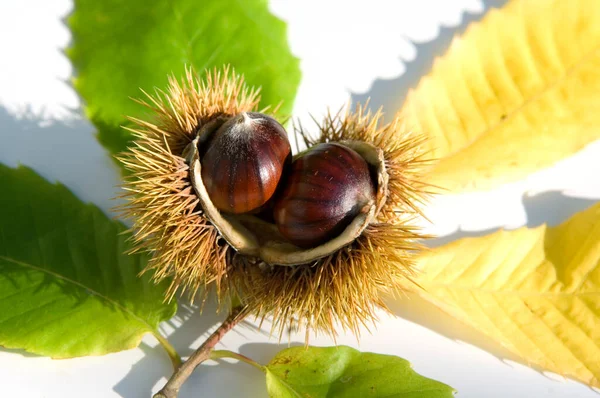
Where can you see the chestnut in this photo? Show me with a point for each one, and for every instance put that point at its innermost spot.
(327, 187)
(244, 161)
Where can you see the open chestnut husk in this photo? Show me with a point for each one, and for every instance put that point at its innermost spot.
(341, 281)
(252, 236)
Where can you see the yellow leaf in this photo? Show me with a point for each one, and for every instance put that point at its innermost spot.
(535, 291)
(514, 94)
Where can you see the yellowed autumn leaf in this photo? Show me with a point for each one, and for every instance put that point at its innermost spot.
(536, 291)
(517, 92)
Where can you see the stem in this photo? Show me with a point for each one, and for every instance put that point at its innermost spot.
(173, 355)
(218, 354)
(171, 389)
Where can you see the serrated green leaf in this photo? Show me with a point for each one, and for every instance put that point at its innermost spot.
(66, 288)
(342, 371)
(120, 47)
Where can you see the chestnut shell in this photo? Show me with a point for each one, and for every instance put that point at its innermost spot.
(244, 161)
(328, 186)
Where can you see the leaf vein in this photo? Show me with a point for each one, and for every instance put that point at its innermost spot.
(82, 286)
(30, 310)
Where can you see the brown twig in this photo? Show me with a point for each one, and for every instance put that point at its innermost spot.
(181, 374)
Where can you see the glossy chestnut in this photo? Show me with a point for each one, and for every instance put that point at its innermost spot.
(328, 186)
(244, 161)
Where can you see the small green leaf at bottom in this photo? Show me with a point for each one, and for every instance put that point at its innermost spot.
(343, 372)
(66, 287)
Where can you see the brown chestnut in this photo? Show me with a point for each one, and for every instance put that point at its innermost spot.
(327, 187)
(244, 161)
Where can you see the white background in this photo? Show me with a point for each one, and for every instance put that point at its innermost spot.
(348, 50)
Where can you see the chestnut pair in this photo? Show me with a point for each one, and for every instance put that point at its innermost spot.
(247, 167)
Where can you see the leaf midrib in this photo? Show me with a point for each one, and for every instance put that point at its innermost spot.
(81, 286)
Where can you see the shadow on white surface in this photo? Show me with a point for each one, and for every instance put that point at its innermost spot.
(60, 150)
(249, 382)
(145, 373)
(390, 93)
(550, 208)
(186, 331)
(183, 330)
(553, 208)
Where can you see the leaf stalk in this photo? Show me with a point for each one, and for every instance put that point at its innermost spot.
(219, 354)
(173, 355)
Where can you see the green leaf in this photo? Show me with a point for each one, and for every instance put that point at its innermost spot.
(342, 371)
(122, 46)
(66, 288)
